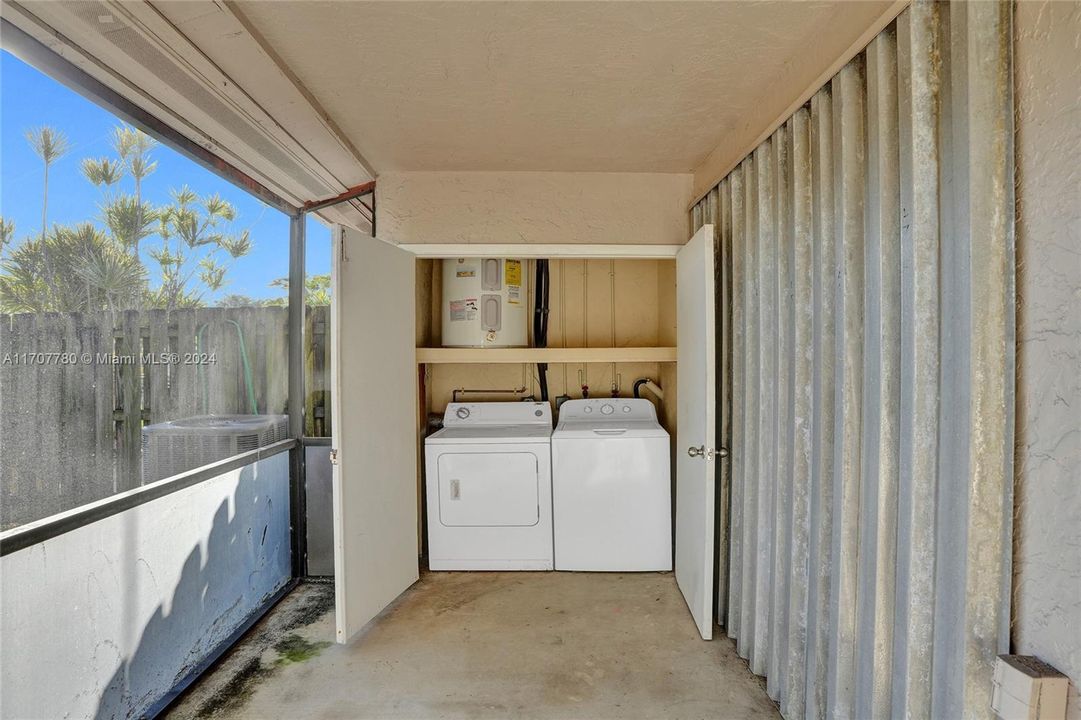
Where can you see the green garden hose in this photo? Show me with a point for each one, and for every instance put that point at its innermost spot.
(249, 385)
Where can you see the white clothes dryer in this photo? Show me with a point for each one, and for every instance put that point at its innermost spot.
(489, 487)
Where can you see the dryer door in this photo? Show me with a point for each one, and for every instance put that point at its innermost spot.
(489, 489)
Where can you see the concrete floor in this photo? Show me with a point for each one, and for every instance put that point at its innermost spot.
(488, 645)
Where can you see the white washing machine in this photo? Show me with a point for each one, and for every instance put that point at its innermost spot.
(611, 487)
(489, 487)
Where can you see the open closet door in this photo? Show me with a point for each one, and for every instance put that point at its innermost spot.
(373, 406)
(695, 427)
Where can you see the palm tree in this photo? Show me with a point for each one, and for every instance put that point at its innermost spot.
(192, 226)
(316, 290)
(111, 278)
(114, 276)
(50, 145)
(129, 221)
(103, 171)
(134, 146)
(7, 232)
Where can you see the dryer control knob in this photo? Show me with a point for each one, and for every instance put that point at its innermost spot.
(607, 409)
(462, 413)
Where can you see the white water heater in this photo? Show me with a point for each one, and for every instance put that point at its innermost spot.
(484, 303)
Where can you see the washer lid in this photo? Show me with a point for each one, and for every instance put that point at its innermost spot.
(579, 429)
(490, 434)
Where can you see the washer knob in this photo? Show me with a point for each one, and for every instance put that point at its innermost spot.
(587, 409)
(607, 409)
(462, 413)
(626, 408)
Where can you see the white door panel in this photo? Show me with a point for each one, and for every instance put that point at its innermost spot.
(695, 427)
(373, 402)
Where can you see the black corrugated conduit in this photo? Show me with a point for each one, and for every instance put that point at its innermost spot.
(540, 324)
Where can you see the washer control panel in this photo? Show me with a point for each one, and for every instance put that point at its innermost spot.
(611, 409)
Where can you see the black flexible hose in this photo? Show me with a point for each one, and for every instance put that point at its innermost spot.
(540, 324)
(639, 383)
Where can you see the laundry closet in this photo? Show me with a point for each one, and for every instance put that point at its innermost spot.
(420, 330)
(499, 489)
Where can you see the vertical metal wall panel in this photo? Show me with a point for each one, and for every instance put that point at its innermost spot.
(992, 402)
(871, 422)
(723, 284)
(734, 190)
(793, 699)
(782, 495)
(918, 115)
(750, 410)
(981, 346)
(881, 381)
(954, 311)
(849, 179)
(821, 527)
(767, 404)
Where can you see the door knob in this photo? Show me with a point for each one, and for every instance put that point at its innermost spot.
(707, 453)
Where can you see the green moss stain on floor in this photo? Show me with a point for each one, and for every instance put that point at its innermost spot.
(234, 694)
(293, 648)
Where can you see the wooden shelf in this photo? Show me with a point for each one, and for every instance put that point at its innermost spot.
(546, 355)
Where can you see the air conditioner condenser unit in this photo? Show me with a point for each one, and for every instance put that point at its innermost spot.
(176, 446)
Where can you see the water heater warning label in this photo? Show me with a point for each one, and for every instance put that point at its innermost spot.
(512, 272)
(463, 310)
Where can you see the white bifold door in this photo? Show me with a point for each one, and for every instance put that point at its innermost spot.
(374, 411)
(696, 454)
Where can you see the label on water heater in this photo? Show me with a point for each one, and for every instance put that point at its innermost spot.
(464, 310)
(512, 273)
(466, 269)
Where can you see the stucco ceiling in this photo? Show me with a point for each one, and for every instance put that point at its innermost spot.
(562, 86)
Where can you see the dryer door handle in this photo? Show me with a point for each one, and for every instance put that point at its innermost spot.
(455, 489)
(610, 432)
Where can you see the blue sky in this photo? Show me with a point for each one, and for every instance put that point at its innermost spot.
(29, 99)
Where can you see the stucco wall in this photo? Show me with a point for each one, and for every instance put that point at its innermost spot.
(104, 620)
(1047, 542)
(533, 207)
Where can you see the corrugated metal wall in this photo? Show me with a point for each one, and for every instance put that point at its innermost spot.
(868, 263)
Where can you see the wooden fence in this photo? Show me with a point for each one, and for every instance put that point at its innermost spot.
(76, 390)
